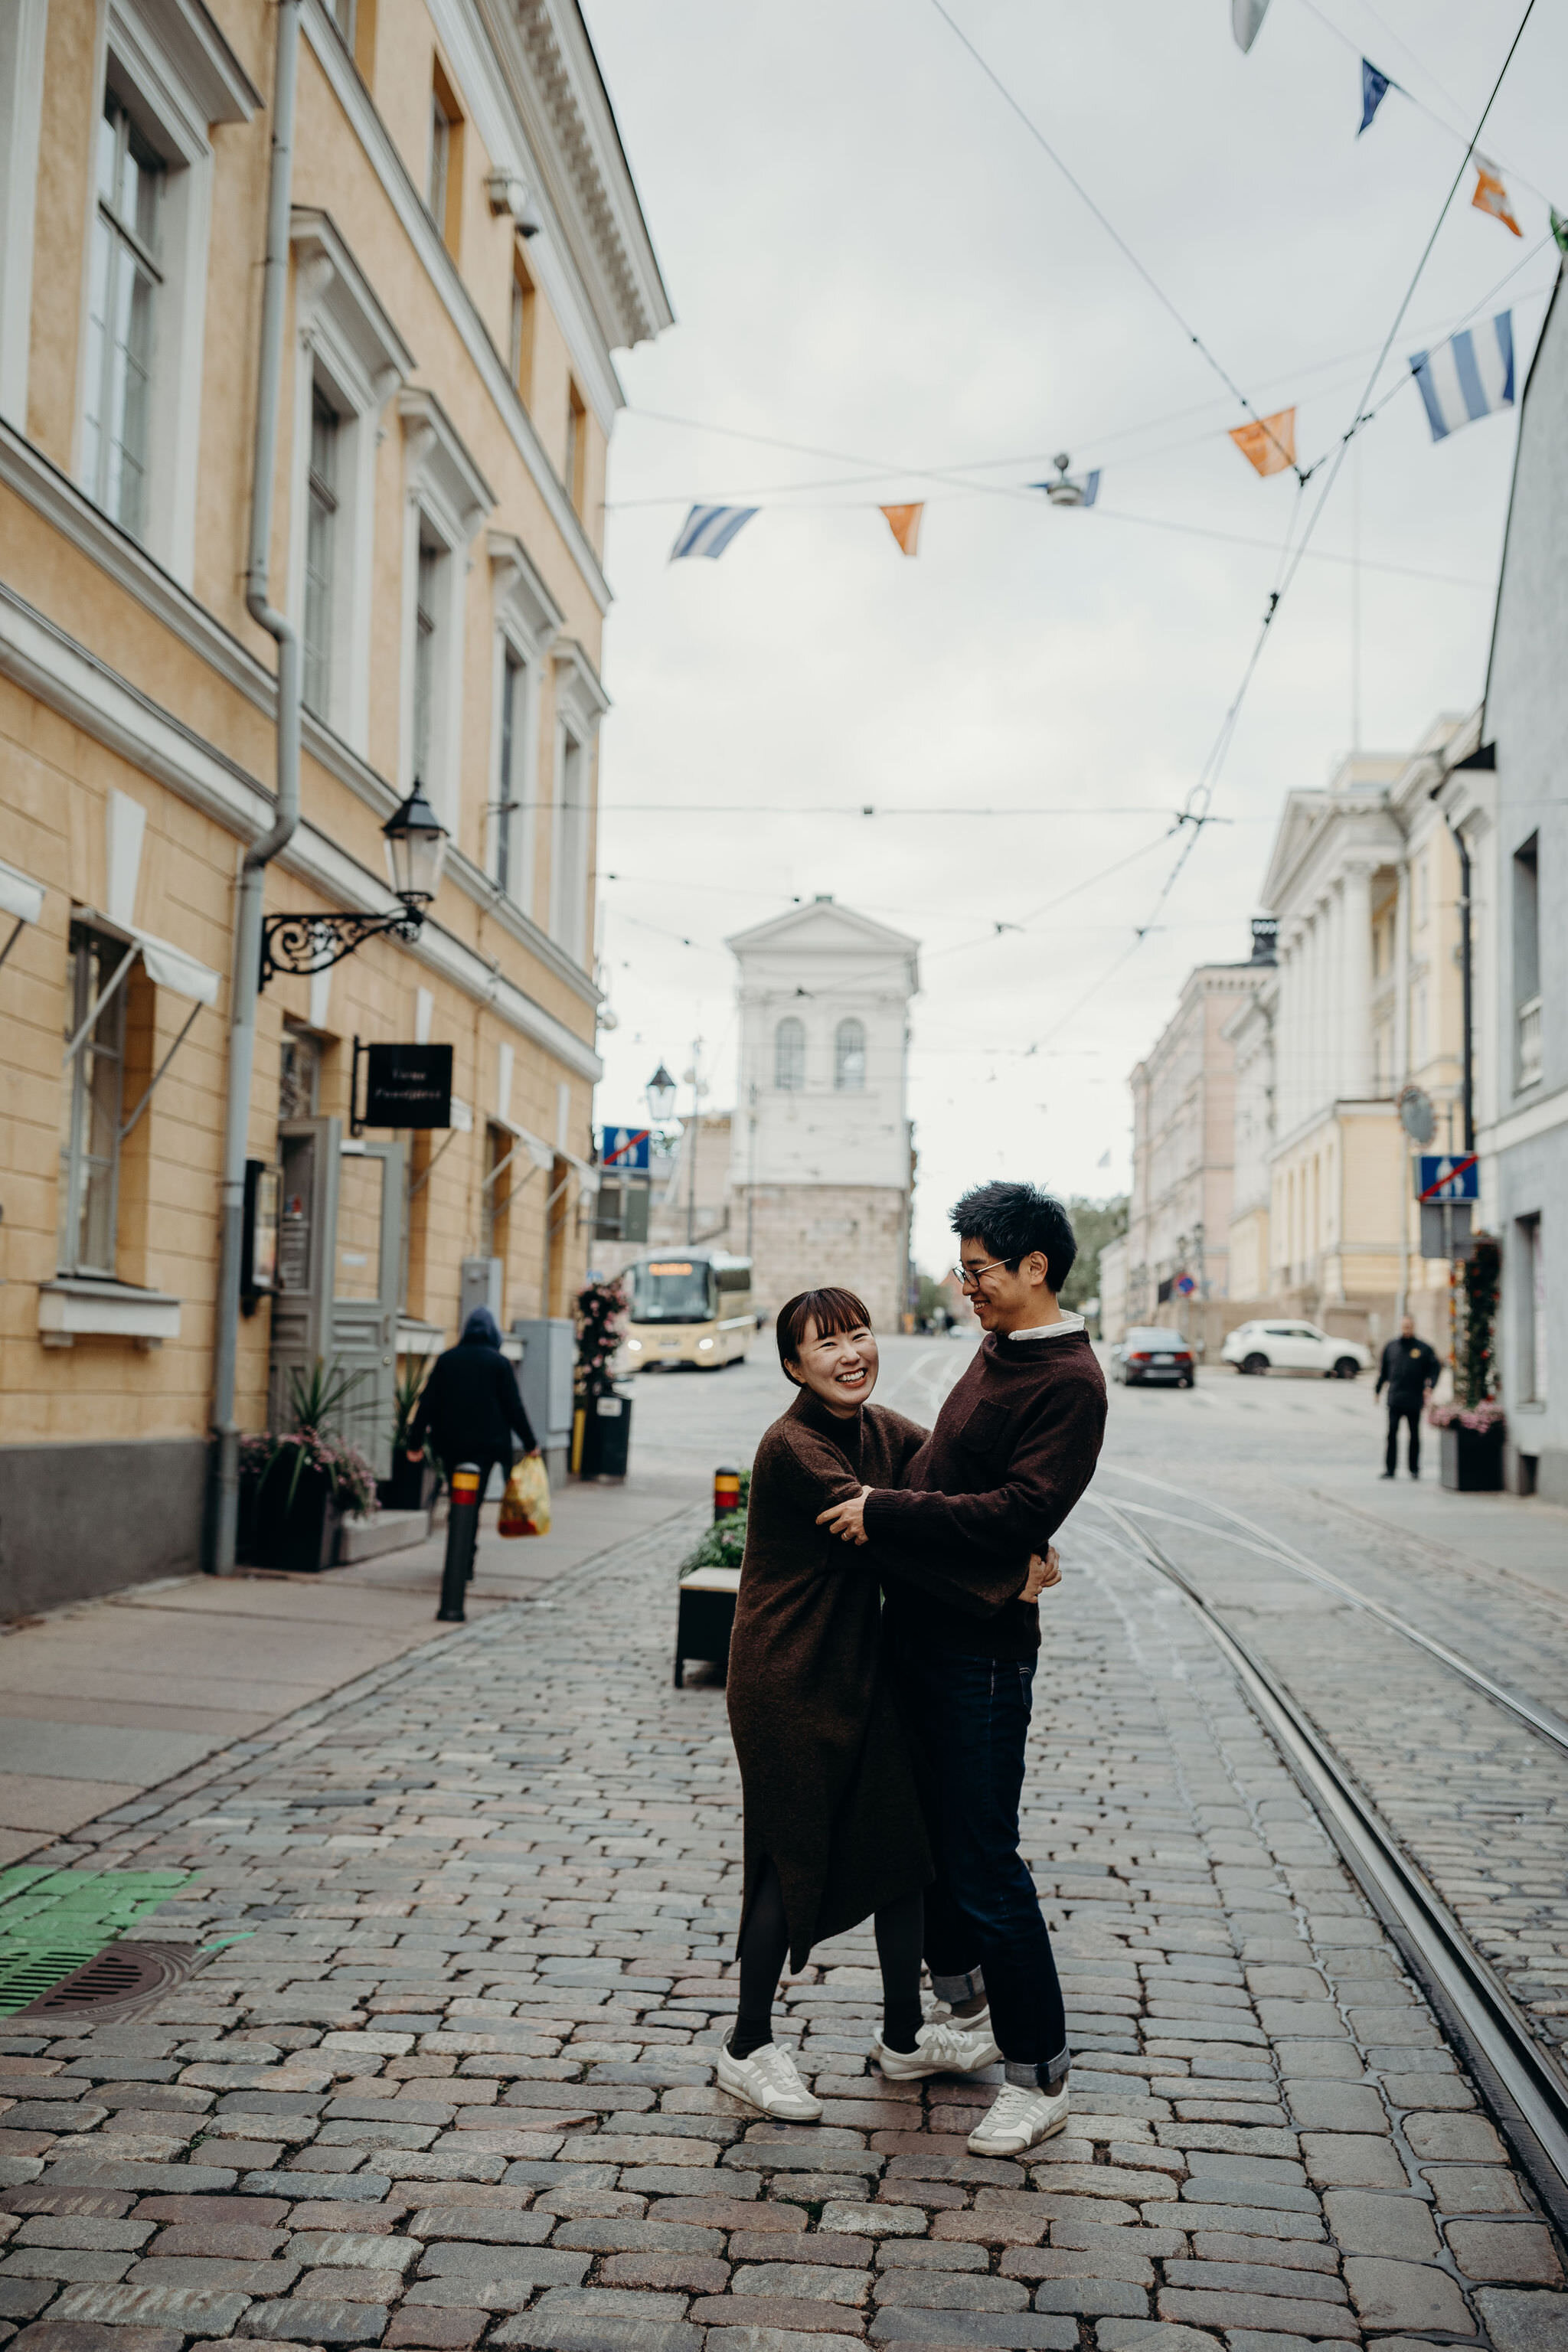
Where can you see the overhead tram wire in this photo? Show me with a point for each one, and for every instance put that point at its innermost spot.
(1153, 283)
(1197, 811)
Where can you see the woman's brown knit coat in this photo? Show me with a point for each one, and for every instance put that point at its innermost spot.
(828, 1788)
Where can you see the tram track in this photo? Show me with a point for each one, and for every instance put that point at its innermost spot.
(1541, 1719)
(1518, 2075)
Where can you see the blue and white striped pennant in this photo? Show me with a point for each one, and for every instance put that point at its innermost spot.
(1468, 377)
(708, 531)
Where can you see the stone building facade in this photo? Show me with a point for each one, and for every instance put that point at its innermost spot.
(462, 250)
(822, 1164)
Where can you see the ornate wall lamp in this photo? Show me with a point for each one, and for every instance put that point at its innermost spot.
(415, 851)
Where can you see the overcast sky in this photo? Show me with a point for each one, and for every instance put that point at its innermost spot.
(869, 255)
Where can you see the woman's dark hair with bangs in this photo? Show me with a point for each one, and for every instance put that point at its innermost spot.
(831, 1310)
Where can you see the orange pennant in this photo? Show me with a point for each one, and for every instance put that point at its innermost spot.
(1268, 442)
(904, 522)
(1492, 196)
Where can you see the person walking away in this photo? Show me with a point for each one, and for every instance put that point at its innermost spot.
(469, 1407)
(1014, 1448)
(1409, 1368)
(832, 1822)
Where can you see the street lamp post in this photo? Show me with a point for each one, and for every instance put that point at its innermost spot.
(415, 844)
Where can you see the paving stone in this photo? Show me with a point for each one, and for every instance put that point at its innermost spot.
(1474, 2189)
(243, 2278)
(1208, 2307)
(1453, 2138)
(693, 2274)
(1282, 2253)
(493, 2226)
(423, 2330)
(1040, 2263)
(1523, 2323)
(87, 2336)
(777, 2339)
(1405, 2294)
(874, 2220)
(967, 2331)
(1254, 2220)
(209, 2311)
(820, 2282)
(1346, 2159)
(1335, 2106)
(1366, 2223)
(24, 2298)
(542, 2265)
(926, 2254)
(298, 2319)
(345, 2251)
(819, 2246)
(951, 2291)
(1150, 2335)
(1428, 2091)
(64, 2262)
(1256, 2278)
(1518, 2252)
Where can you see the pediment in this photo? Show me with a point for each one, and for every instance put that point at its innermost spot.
(822, 927)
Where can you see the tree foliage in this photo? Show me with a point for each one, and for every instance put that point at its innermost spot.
(1095, 1223)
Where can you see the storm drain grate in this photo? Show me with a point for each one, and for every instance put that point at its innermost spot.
(55, 1922)
(115, 1981)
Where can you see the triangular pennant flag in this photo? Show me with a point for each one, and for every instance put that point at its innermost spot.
(1245, 16)
(1268, 442)
(708, 531)
(1559, 229)
(1492, 196)
(904, 522)
(1375, 88)
(1470, 376)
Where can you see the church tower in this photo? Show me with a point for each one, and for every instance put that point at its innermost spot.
(821, 1166)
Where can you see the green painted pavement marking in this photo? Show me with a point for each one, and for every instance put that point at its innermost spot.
(54, 1921)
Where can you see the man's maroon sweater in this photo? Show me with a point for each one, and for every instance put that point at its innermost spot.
(1014, 1447)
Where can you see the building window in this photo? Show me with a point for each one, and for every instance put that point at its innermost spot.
(1527, 962)
(508, 803)
(427, 647)
(125, 279)
(299, 1075)
(575, 475)
(444, 177)
(520, 354)
(849, 1057)
(90, 1132)
(1531, 1278)
(789, 1056)
(321, 532)
(572, 848)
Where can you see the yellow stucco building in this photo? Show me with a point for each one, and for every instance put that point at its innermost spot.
(462, 249)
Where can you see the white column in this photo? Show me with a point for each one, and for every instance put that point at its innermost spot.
(1355, 967)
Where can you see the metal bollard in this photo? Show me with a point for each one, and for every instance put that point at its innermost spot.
(726, 1493)
(462, 1532)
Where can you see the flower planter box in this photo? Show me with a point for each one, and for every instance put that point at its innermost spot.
(1472, 1459)
(413, 1486)
(298, 1533)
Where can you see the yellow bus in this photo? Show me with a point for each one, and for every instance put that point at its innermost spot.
(688, 1306)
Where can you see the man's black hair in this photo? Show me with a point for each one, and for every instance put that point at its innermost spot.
(1011, 1220)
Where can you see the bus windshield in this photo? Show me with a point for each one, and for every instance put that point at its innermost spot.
(672, 1290)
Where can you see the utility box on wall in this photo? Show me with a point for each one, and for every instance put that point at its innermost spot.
(544, 1378)
(481, 1287)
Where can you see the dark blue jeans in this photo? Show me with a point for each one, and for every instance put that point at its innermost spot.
(969, 1721)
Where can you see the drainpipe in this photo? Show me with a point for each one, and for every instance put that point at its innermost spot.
(1467, 978)
(244, 979)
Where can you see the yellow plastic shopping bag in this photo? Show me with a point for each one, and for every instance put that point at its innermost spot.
(525, 1505)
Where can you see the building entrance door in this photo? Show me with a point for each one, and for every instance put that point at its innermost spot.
(340, 1274)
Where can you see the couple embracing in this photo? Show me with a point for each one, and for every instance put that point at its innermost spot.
(881, 1675)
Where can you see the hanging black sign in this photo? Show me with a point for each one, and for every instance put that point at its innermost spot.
(407, 1086)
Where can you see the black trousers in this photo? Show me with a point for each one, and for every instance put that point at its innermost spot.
(1404, 1408)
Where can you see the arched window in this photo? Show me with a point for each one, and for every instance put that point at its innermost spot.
(849, 1057)
(789, 1055)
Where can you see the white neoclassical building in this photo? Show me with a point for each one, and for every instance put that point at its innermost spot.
(821, 1165)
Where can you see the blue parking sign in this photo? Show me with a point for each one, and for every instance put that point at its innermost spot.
(624, 1147)
(1447, 1176)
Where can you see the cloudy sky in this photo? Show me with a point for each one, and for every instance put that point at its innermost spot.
(871, 259)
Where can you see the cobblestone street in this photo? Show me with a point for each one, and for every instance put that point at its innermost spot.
(453, 2082)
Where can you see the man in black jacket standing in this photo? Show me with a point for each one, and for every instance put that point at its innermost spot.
(1409, 1368)
(469, 1407)
(1014, 1448)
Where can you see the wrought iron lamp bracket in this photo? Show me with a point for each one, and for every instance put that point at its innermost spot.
(311, 943)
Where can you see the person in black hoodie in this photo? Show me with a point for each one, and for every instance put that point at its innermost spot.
(1409, 1368)
(469, 1407)
(1014, 1448)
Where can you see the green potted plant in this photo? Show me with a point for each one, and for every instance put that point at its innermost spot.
(602, 1419)
(1472, 1424)
(304, 1480)
(413, 1486)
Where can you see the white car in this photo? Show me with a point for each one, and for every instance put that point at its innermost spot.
(1286, 1345)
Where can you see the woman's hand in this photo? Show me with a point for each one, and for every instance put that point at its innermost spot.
(847, 1519)
(1043, 1573)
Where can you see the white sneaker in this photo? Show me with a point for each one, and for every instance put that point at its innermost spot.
(1019, 2120)
(769, 2081)
(942, 2012)
(952, 2047)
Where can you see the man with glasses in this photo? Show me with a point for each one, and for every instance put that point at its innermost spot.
(1014, 1448)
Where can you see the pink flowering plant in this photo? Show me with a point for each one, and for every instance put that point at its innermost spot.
(1488, 1414)
(315, 1399)
(1474, 1404)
